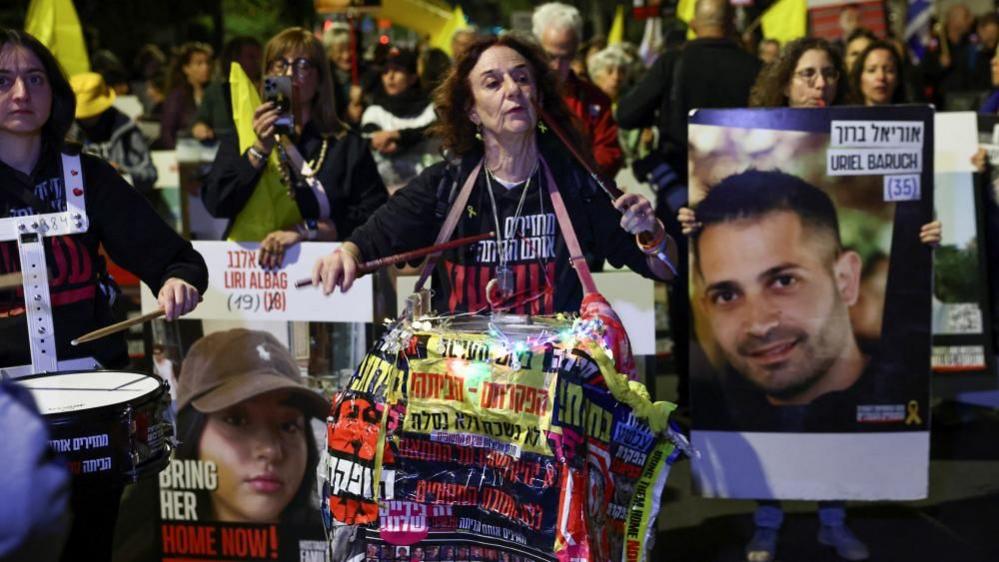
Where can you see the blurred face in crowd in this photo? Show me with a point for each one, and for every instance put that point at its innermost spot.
(460, 41)
(340, 55)
(609, 80)
(959, 21)
(560, 45)
(814, 81)
(25, 92)
(988, 34)
(503, 90)
(250, 59)
(198, 69)
(259, 448)
(304, 74)
(396, 80)
(769, 51)
(879, 77)
(849, 19)
(776, 296)
(854, 49)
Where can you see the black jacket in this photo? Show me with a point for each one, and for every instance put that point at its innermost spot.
(348, 174)
(714, 73)
(539, 259)
(121, 221)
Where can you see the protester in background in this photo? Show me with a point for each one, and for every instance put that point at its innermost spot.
(339, 159)
(109, 134)
(580, 63)
(559, 29)
(987, 30)
(214, 118)
(461, 40)
(858, 40)
(614, 70)
(242, 405)
(877, 76)
(108, 65)
(190, 72)
(768, 51)
(397, 120)
(991, 104)
(808, 74)
(149, 63)
(948, 66)
(347, 95)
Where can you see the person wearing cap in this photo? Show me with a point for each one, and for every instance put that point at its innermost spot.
(397, 121)
(241, 405)
(109, 134)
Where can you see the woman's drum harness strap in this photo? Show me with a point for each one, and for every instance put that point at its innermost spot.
(30, 232)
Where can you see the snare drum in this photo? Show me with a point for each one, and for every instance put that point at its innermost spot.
(108, 425)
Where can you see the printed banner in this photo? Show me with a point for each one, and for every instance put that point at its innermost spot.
(498, 443)
(811, 297)
(240, 289)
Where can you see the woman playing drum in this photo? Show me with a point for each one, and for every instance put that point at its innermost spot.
(488, 117)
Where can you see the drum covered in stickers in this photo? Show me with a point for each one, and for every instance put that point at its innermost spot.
(493, 438)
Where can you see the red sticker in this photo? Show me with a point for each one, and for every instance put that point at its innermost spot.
(74, 172)
(77, 191)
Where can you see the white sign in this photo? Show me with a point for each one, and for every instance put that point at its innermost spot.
(876, 134)
(630, 295)
(239, 289)
(873, 161)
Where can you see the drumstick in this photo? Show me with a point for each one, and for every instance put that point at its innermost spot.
(607, 184)
(369, 266)
(11, 280)
(115, 328)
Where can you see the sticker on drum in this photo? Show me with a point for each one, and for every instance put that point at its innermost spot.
(68, 392)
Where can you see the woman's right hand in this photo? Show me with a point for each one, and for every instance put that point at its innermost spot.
(688, 221)
(337, 269)
(264, 118)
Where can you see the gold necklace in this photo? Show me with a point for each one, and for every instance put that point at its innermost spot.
(318, 162)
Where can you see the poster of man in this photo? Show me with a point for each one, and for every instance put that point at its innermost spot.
(810, 286)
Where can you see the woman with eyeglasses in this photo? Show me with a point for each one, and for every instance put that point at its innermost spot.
(327, 201)
(808, 74)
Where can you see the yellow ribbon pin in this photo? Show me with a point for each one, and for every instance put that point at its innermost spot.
(471, 211)
(912, 414)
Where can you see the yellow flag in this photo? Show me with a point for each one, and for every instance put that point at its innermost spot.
(442, 39)
(685, 13)
(786, 20)
(269, 207)
(56, 25)
(616, 34)
(424, 17)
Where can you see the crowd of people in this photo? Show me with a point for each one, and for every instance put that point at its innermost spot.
(383, 142)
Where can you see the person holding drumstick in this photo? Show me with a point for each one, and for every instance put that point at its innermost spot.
(509, 164)
(36, 109)
(41, 175)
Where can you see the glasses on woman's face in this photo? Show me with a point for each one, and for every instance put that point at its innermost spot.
(299, 66)
(810, 75)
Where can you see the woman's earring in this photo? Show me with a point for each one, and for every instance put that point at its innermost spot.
(478, 131)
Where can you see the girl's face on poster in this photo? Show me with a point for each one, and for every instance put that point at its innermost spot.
(879, 77)
(259, 448)
(814, 81)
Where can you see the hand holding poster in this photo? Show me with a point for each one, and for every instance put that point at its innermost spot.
(811, 292)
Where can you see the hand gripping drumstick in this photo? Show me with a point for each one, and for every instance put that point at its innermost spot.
(115, 328)
(369, 266)
(606, 184)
